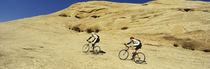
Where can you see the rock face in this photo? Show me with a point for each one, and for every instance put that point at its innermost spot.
(175, 35)
(182, 21)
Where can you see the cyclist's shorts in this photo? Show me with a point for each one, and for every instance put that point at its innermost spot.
(97, 40)
(138, 47)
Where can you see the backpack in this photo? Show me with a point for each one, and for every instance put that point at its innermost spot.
(98, 38)
(139, 41)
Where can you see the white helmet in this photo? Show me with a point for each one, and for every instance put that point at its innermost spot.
(92, 33)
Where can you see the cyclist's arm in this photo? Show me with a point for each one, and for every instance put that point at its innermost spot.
(89, 38)
(129, 42)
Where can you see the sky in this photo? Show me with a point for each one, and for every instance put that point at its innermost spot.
(18, 9)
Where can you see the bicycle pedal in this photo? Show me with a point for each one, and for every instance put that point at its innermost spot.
(132, 59)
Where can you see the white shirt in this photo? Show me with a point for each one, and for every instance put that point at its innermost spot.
(135, 42)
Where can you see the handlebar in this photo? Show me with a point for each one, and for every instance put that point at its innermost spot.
(89, 41)
(126, 45)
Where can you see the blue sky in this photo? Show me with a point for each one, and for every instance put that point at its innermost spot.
(17, 9)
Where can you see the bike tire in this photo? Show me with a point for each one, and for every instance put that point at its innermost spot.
(123, 54)
(85, 48)
(139, 58)
(97, 49)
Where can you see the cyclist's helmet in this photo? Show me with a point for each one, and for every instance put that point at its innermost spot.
(131, 37)
(92, 33)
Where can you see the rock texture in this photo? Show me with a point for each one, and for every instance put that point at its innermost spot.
(183, 22)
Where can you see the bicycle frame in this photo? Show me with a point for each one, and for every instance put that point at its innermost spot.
(128, 48)
(89, 43)
(137, 57)
(96, 48)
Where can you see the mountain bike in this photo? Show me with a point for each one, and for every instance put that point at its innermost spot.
(86, 48)
(138, 58)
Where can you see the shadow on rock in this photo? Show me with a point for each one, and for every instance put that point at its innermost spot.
(100, 52)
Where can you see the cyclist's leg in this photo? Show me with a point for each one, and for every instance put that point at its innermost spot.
(93, 45)
(94, 42)
(135, 51)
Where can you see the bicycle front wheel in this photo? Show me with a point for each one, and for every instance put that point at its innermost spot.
(85, 48)
(123, 54)
(139, 58)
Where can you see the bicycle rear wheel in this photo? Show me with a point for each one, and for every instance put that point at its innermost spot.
(123, 54)
(97, 50)
(139, 58)
(85, 48)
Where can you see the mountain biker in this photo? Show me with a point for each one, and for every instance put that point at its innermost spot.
(95, 40)
(136, 43)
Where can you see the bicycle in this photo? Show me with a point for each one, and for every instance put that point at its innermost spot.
(87, 47)
(138, 58)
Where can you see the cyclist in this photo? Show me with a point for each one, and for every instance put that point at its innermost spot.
(95, 40)
(136, 43)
